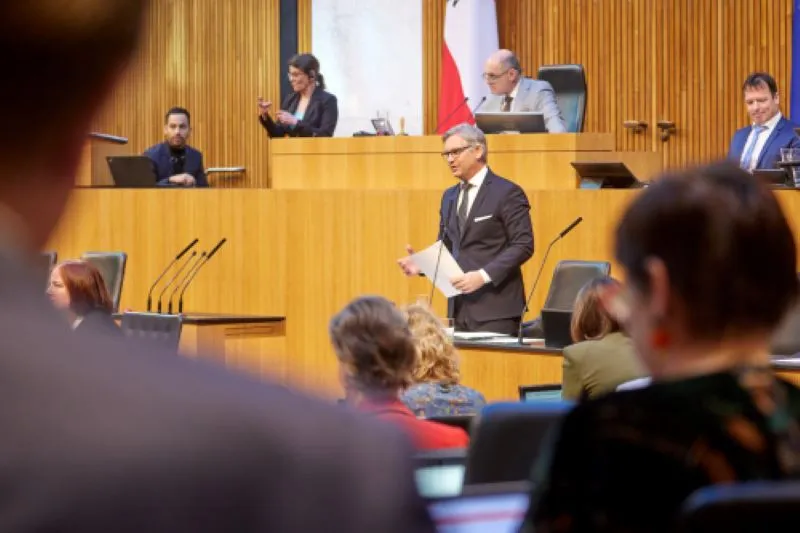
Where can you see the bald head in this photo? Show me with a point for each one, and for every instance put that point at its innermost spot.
(502, 72)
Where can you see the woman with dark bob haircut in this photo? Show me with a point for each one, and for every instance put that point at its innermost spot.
(77, 289)
(309, 111)
(710, 266)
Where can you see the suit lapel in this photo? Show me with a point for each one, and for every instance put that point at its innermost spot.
(770, 140)
(522, 94)
(479, 199)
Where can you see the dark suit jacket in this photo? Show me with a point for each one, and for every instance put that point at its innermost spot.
(162, 163)
(498, 238)
(101, 434)
(319, 120)
(782, 136)
(99, 322)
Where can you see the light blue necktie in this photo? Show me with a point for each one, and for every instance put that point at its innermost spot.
(747, 158)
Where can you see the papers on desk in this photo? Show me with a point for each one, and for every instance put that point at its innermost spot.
(448, 268)
(478, 335)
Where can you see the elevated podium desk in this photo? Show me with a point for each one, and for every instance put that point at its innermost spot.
(537, 161)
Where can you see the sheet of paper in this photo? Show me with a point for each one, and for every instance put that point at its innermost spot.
(482, 335)
(448, 268)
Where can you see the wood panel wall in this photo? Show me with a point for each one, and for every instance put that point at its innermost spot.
(649, 60)
(215, 59)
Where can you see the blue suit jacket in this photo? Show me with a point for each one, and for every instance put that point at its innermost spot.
(782, 136)
(162, 164)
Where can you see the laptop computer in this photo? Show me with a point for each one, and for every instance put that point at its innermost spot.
(487, 511)
(540, 393)
(605, 175)
(132, 171)
(556, 325)
(523, 122)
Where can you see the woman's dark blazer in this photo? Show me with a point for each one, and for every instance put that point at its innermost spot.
(99, 322)
(319, 120)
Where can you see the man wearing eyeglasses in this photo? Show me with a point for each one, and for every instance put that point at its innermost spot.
(487, 227)
(513, 92)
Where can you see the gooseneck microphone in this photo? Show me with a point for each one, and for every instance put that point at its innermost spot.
(172, 280)
(181, 282)
(475, 109)
(453, 112)
(541, 267)
(442, 233)
(196, 270)
(177, 258)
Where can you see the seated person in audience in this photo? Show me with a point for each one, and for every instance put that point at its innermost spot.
(77, 288)
(376, 360)
(436, 391)
(309, 111)
(511, 91)
(176, 163)
(710, 268)
(602, 357)
(759, 144)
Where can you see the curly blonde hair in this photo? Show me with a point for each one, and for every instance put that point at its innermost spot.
(437, 358)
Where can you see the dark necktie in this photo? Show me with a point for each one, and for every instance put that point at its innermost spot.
(506, 104)
(463, 207)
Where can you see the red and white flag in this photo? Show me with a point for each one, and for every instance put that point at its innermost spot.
(470, 37)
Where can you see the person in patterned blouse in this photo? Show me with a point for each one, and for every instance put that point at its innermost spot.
(436, 390)
(710, 264)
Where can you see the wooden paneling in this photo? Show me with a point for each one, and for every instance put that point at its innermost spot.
(304, 25)
(532, 161)
(214, 58)
(432, 41)
(650, 60)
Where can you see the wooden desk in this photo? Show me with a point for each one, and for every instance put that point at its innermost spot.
(532, 161)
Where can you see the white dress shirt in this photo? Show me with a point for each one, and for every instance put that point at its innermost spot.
(761, 141)
(476, 181)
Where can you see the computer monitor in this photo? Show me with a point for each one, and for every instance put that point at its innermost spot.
(439, 473)
(605, 175)
(556, 325)
(487, 513)
(540, 393)
(526, 122)
(773, 177)
(132, 171)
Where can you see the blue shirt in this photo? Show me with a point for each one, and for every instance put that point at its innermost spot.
(438, 399)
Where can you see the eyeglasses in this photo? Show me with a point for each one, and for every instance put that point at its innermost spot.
(455, 152)
(494, 77)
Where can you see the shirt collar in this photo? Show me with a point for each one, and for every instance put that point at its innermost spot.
(477, 180)
(77, 323)
(771, 123)
(515, 90)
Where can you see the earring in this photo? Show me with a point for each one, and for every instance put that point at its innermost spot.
(659, 338)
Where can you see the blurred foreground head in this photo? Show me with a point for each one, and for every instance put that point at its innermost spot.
(59, 59)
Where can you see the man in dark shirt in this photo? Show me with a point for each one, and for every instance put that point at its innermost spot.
(176, 163)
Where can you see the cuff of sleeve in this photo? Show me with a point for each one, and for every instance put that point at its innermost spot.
(485, 276)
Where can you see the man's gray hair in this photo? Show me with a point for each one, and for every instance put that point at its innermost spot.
(472, 134)
(513, 62)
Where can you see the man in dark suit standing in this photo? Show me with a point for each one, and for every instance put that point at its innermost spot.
(105, 435)
(758, 146)
(487, 228)
(176, 163)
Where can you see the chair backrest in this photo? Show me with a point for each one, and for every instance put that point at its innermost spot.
(47, 260)
(507, 438)
(569, 84)
(112, 266)
(753, 506)
(568, 279)
(786, 340)
(162, 329)
(460, 421)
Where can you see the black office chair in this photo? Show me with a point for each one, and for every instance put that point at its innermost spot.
(112, 266)
(569, 84)
(744, 507)
(164, 330)
(568, 279)
(45, 264)
(460, 421)
(507, 439)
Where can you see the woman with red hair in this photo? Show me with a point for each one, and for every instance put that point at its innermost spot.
(77, 288)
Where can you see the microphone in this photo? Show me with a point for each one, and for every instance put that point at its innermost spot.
(475, 109)
(177, 258)
(442, 232)
(453, 112)
(541, 267)
(181, 282)
(171, 281)
(196, 270)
